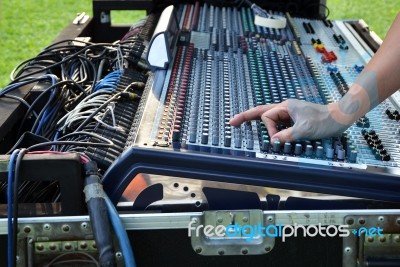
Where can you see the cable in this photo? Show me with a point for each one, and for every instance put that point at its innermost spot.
(14, 86)
(109, 144)
(14, 79)
(85, 122)
(92, 100)
(17, 175)
(53, 261)
(94, 198)
(10, 250)
(121, 234)
(73, 261)
(85, 133)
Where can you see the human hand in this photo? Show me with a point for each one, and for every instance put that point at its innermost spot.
(311, 121)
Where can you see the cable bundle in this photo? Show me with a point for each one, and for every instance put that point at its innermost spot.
(89, 95)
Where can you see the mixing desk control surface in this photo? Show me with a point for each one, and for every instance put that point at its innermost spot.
(224, 64)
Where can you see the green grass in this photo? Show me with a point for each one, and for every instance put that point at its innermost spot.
(27, 26)
(378, 14)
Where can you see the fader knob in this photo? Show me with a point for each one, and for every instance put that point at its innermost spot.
(309, 150)
(287, 148)
(298, 149)
(227, 141)
(265, 145)
(341, 154)
(320, 152)
(250, 144)
(204, 138)
(329, 152)
(353, 156)
(276, 146)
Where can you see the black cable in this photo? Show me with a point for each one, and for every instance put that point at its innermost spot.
(17, 174)
(15, 79)
(39, 98)
(94, 70)
(94, 197)
(46, 106)
(108, 144)
(327, 11)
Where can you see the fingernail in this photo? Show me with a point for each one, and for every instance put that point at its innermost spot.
(274, 139)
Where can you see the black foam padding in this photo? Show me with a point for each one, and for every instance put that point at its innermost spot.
(155, 247)
(223, 199)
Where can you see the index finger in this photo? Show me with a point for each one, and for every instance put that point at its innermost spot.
(251, 114)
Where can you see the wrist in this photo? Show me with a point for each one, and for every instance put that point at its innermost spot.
(353, 105)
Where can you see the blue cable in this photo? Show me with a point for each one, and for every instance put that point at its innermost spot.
(46, 117)
(108, 82)
(13, 86)
(9, 206)
(71, 71)
(121, 234)
(43, 119)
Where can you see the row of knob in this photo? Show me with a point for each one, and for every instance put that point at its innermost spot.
(321, 150)
(308, 150)
(375, 144)
(393, 115)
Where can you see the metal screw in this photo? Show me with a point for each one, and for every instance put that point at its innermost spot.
(67, 246)
(83, 245)
(66, 228)
(195, 220)
(221, 252)
(361, 221)
(40, 247)
(94, 245)
(382, 239)
(245, 219)
(52, 247)
(219, 220)
(198, 250)
(17, 257)
(370, 239)
(350, 221)
(84, 225)
(118, 254)
(27, 229)
(46, 226)
(270, 218)
(398, 220)
(267, 249)
(381, 218)
(245, 251)
(397, 238)
(347, 250)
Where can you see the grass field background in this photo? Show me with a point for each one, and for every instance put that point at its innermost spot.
(27, 26)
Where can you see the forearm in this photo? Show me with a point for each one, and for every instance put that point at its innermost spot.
(386, 62)
(384, 66)
(379, 79)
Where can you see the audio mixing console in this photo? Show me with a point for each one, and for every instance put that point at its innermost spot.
(224, 65)
(220, 63)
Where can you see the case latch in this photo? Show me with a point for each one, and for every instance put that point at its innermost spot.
(239, 232)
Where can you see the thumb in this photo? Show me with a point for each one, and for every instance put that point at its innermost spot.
(283, 136)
